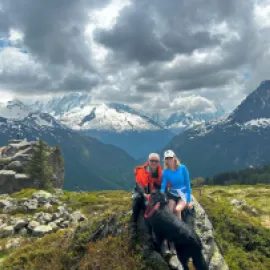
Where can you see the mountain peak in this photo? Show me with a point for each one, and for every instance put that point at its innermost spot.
(255, 106)
(14, 109)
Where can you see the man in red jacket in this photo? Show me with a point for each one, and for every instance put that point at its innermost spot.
(148, 178)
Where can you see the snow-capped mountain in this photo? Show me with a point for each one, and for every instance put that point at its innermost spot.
(180, 121)
(14, 109)
(83, 154)
(79, 112)
(14, 114)
(58, 106)
(240, 140)
(111, 123)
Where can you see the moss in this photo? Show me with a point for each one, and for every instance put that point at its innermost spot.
(46, 253)
(23, 193)
(111, 253)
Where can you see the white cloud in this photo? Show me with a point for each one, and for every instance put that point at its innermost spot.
(15, 36)
(193, 104)
(262, 14)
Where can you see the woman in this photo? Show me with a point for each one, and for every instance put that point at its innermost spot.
(177, 176)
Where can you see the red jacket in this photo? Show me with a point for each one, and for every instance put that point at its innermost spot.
(144, 177)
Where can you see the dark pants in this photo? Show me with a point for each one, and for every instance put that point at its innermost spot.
(138, 205)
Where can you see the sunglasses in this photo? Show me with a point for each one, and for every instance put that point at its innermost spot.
(154, 161)
(168, 158)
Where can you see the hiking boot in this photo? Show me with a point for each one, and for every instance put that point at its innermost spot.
(164, 249)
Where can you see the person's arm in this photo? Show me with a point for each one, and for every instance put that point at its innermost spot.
(163, 182)
(187, 181)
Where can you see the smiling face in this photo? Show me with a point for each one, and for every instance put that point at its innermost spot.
(170, 162)
(153, 162)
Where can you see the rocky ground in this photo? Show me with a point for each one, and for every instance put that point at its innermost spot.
(90, 230)
(41, 214)
(85, 218)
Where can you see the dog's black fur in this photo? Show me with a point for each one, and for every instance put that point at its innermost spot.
(166, 225)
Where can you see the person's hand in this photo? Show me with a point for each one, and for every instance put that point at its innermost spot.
(189, 205)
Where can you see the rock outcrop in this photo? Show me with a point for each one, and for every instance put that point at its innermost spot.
(39, 223)
(14, 158)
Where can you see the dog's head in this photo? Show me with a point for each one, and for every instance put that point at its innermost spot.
(159, 197)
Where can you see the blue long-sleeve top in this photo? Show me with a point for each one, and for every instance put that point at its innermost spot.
(179, 182)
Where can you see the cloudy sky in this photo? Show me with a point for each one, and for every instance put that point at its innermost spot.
(155, 55)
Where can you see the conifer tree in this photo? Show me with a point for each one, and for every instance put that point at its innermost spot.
(38, 168)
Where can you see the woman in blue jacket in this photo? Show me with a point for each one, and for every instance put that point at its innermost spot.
(177, 176)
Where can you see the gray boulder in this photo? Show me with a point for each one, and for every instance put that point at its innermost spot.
(77, 216)
(47, 217)
(42, 196)
(6, 231)
(53, 225)
(20, 223)
(40, 231)
(7, 181)
(23, 231)
(31, 204)
(55, 216)
(4, 203)
(33, 224)
(16, 166)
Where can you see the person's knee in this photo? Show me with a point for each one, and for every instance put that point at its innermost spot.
(179, 208)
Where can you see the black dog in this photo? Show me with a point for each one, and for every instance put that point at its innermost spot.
(166, 225)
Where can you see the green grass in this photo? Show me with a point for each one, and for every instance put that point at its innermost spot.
(23, 193)
(98, 203)
(244, 239)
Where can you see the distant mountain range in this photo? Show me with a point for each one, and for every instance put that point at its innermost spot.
(238, 141)
(89, 164)
(138, 133)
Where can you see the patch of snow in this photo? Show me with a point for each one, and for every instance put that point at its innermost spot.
(261, 122)
(41, 122)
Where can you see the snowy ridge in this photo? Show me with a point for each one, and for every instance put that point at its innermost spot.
(14, 110)
(103, 117)
(261, 122)
(79, 112)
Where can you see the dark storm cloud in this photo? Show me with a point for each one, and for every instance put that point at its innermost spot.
(53, 35)
(148, 87)
(138, 34)
(76, 82)
(4, 24)
(156, 30)
(213, 80)
(152, 33)
(53, 30)
(154, 47)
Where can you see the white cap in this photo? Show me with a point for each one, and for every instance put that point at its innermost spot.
(169, 153)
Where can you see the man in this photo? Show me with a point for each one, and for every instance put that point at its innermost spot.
(148, 178)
